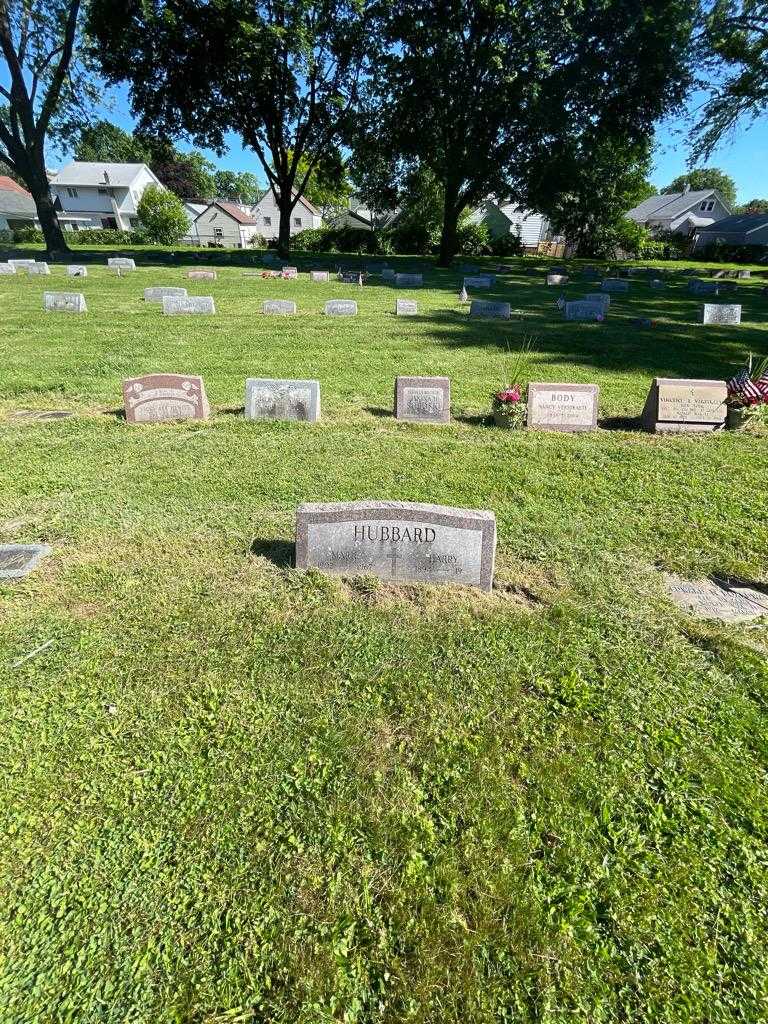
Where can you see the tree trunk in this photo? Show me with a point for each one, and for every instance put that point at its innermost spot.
(37, 182)
(286, 205)
(449, 240)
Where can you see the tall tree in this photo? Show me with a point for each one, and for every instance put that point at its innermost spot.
(703, 178)
(50, 85)
(754, 206)
(105, 142)
(472, 87)
(238, 187)
(282, 73)
(733, 58)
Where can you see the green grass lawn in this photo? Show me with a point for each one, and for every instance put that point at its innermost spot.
(238, 794)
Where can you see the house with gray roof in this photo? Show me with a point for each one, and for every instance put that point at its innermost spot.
(96, 194)
(741, 229)
(681, 213)
(17, 207)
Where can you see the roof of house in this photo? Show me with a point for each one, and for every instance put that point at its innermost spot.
(667, 207)
(15, 202)
(86, 172)
(233, 211)
(744, 223)
(9, 185)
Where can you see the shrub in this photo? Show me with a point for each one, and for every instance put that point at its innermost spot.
(474, 239)
(28, 235)
(258, 242)
(103, 236)
(719, 252)
(312, 239)
(6, 235)
(162, 216)
(657, 249)
(507, 245)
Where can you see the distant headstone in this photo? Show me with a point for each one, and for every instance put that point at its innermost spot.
(278, 307)
(408, 280)
(22, 264)
(159, 293)
(570, 408)
(603, 298)
(657, 283)
(201, 275)
(319, 276)
(490, 310)
(710, 599)
(267, 399)
(699, 287)
(64, 302)
(121, 263)
(7, 268)
(165, 396)
(77, 270)
(200, 304)
(406, 307)
(387, 274)
(341, 307)
(685, 406)
(744, 273)
(423, 399)
(18, 560)
(398, 541)
(719, 313)
(584, 309)
(290, 272)
(557, 279)
(615, 284)
(38, 268)
(480, 281)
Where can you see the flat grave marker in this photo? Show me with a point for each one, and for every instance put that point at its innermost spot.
(268, 399)
(202, 305)
(398, 541)
(719, 313)
(159, 397)
(569, 408)
(423, 399)
(341, 307)
(480, 309)
(18, 560)
(64, 302)
(158, 293)
(676, 406)
(710, 599)
(201, 275)
(406, 307)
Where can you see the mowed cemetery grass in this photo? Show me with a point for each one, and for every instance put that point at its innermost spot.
(237, 793)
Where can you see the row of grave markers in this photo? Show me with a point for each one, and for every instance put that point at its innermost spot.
(672, 406)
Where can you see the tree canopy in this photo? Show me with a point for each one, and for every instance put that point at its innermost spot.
(238, 186)
(704, 178)
(162, 217)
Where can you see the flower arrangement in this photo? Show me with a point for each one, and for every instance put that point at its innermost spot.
(748, 395)
(509, 404)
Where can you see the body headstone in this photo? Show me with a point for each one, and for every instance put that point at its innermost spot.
(569, 408)
(676, 406)
(341, 307)
(278, 307)
(64, 302)
(267, 399)
(408, 280)
(490, 310)
(77, 270)
(615, 284)
(398, 541)
(201, 275)
(406, 307)
(193, 304)
(719, 313)
(18, 560)
(319, 276)
(158, 293)
(158, 397)
(423, 399)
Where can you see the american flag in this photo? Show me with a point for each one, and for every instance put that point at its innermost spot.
(742, 386)
(762, 383)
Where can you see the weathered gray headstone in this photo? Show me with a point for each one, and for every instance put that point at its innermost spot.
(201, 275)
(202, 304)
(408, 280)
(678, 406)
(387, 274)
(341, 307)
(121, 263)
(584, 309)
(423, 399)
(21, 264)
(158, 293)
(350, 276)
(319, 276)
(7, 268)
(267, 399)
(398, 541)
(77, 270)
(480, 281)
(38, 268)
(709, 599)
(165, 396)
(278, 307)
(18, 560)
(490, 310)
(615, 284)
(744, 273)
(719, 313)
(601, 297)
(290, 272)
(64, 302)
(570, 408)
(557, 279)
(657, 283)
(406, 307)
(699, 287)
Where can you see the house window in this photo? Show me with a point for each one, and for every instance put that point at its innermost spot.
(109, 222)
(297, 222)
(218, 233)
(72, 193)
(710, 206)
(268, 222)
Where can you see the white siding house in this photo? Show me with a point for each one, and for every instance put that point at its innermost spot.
(226, 224)
(100, 195)
(504, 218)
(304, 215)
(681, 213)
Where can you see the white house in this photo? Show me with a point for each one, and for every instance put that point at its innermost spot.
(505, 218)
(741, 229)
(304, 215)
(17, 207)
(681, 213)
(227, 224)
(100, 195)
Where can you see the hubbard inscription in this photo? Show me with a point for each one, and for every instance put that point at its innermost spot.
(398, 541)
(201, 304)
(164, 396)
(423, 399)
(278, 307)
(158, 294)
(685, 406)
(267, 399)
(719, 313)
(64, 302)
(570, 408)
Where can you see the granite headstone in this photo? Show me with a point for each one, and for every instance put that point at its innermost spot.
(192, 304)
(481, 309)
(278, 307)
(676, 406)
(341, 307)
(423, 399)
(64, 302)
(158, 397)
(267, 399)
(570, 408)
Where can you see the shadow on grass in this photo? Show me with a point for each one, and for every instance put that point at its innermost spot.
(117, 414)
(621, 423)
(279, 552)
(379, 412)
(231, 410)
